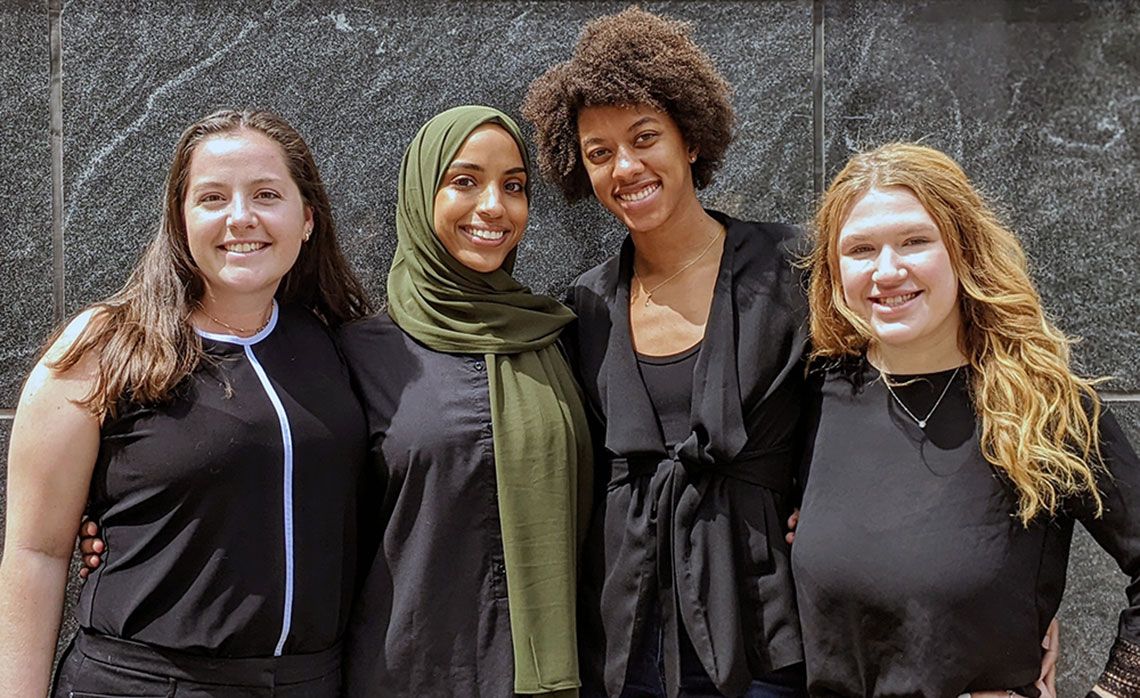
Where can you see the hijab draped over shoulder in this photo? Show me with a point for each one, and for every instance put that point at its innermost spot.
(541, 441)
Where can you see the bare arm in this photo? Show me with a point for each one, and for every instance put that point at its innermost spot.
(50, 460)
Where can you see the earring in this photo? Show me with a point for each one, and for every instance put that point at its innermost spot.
(692, 158)
(305, 237)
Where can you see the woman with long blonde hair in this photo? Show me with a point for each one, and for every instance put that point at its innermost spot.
(949, 408)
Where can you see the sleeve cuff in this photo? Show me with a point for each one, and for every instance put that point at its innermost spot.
(1121, 675)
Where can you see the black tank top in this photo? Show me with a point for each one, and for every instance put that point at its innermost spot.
(229, 511)
(669, 382)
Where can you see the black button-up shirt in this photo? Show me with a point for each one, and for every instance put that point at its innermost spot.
(431, 618)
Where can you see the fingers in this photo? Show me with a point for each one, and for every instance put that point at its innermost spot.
(793, 521)
(89, 546)
(1052, 645)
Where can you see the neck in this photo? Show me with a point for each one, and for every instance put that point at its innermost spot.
(663, 249)
(911, 360)
(244, 315)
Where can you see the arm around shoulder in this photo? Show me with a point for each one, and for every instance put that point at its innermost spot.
(52, 453)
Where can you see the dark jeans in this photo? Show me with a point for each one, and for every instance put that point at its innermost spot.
(645, 676)
(96, 667)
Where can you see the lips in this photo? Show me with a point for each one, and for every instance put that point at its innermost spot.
(639, 194)
(484, 235)
(894, 301)
(244, 247)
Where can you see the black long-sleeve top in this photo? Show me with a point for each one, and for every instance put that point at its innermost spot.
(432, 618)
(699, 530)
(914, 575)
(229, 510)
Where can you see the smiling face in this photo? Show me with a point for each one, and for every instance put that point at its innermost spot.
(897, 276)
(638, 163)
(481, 206)
(245, 217)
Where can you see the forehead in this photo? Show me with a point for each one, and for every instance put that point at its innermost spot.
(489, 146)
(243, 151)
(886, 210)
(617, 120)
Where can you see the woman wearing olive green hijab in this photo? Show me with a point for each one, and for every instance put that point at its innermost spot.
(478, 435)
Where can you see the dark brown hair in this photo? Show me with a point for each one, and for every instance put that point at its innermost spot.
(630, 58)
(142, 334)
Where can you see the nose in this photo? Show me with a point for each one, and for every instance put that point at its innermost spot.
(888, 267)
(627, 164)
(490, 202)
(241, 213)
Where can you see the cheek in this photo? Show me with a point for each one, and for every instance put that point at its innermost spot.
(439, 211)
(851, 281)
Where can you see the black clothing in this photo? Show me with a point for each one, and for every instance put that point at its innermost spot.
(96, 665)
(705, 527)
(432, 617)
(229, 510)
(914, 575)
(667, 382)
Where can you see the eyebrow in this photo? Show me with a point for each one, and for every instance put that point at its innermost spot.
(464, 165)
(212, 183)
(632, 127)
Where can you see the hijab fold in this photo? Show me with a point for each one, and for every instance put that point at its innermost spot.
(543, 461)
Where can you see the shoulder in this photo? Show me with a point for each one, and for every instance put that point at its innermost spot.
(599, 278)
(766, 242)
(376, 338)
(51, 382)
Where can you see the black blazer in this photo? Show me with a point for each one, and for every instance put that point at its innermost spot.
(699, 531)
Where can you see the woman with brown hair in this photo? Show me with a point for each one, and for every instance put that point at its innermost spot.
(688, 347)
(948, 408)
(204, 418)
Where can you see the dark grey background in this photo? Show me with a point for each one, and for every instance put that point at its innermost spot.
(1039, 100)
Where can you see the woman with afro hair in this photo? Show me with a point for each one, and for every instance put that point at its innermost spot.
(689, 347)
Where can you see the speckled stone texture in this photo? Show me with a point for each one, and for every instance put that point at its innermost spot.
(1094, 596)
(1039, 101)
(25, 191)
(358, 80)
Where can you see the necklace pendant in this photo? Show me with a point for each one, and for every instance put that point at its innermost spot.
(922, 424)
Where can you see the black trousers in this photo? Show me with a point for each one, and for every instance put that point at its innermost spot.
(96, 666)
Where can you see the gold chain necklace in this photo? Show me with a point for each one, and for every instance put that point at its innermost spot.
(650, 291)
(921, 422)
(239, 330)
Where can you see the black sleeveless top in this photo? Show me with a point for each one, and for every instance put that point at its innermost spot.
(669, 382)
(229, 511)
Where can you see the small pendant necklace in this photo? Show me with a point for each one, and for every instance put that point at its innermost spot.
(650, 291)
(241, 331)
(921, 422)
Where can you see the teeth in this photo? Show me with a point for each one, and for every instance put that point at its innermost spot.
(895, 301)
(639, 194)
(244, 246)
(486, 234)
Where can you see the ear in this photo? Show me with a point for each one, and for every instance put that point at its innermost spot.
(308, 223)
(694, 153)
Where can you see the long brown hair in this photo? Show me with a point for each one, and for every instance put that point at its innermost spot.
(1036, 425)
(142, 334)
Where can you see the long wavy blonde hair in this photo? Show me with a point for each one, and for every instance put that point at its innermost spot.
(1037, 425)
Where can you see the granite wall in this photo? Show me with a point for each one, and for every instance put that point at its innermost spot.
(1039, 100)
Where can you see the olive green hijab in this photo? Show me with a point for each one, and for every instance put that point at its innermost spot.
(542, 450)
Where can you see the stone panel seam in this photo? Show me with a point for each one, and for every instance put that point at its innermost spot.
(55, 110)
(817, 93)
(1120, 397)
